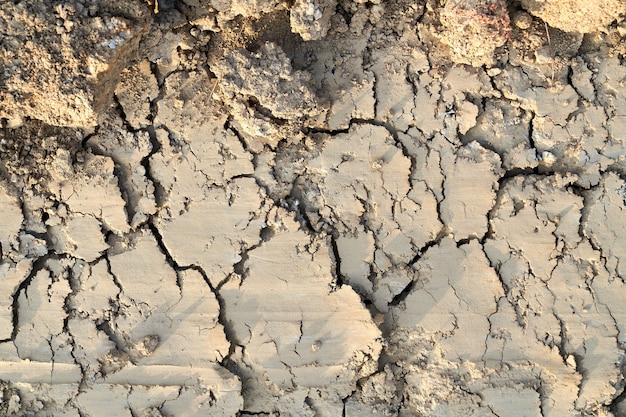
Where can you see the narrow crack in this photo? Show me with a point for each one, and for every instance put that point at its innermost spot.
(419, 253)
(159, 191)
(402, 295)
(336, 259)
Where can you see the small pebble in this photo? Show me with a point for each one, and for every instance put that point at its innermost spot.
(522, 20)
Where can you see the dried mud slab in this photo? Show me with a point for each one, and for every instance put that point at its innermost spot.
(312, 208)
(535, 213)
(297, 349)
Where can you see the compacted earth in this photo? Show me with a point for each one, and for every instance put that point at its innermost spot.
(312, 208)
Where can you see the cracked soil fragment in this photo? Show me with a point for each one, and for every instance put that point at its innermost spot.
(312, 208)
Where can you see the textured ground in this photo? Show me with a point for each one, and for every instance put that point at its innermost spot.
(321, 208)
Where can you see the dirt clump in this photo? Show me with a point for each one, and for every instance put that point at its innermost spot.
(62, 60)
(474, 29)
(577, 15)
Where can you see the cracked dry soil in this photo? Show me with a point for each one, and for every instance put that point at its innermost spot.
(312, 208)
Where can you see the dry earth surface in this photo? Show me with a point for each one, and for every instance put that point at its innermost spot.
(312, 208)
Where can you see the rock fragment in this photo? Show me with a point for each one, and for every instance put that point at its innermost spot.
(311, 18)
(230, 9)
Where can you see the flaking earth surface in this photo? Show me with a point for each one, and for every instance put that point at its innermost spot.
(312, 208)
